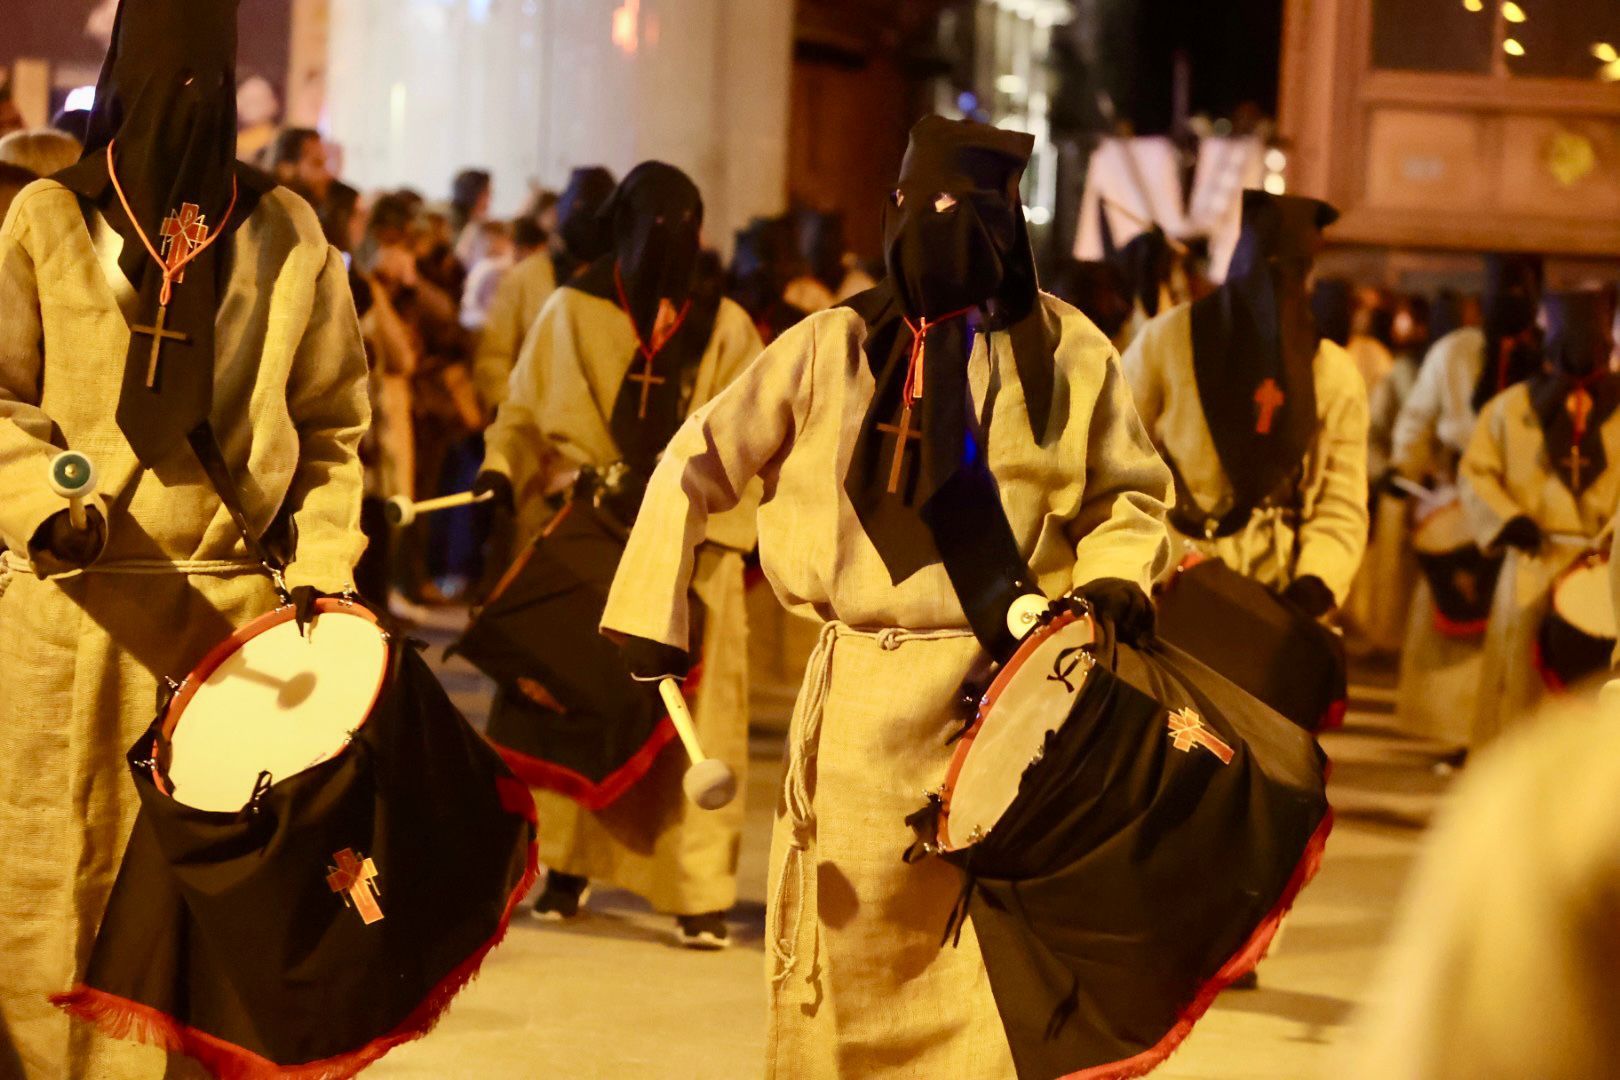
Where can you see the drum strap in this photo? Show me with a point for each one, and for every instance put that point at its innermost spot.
(1191, 519)
(976, 543)
(205, 444)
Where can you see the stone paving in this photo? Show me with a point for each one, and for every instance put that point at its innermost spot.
(611, 998)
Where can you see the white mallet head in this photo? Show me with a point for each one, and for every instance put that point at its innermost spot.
(400, 512)
(710, 784)
(72, 475)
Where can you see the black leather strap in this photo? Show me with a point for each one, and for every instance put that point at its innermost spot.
(976, 543)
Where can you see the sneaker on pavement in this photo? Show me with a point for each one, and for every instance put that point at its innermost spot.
(707, 932)
(562, 898)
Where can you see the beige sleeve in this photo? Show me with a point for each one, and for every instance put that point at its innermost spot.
(327, 400)
(1142, 376)
(1414, 442)
(1333, 538)
(26, 433)
(1120, 530)
(515, 444)
(708, 469)
(1483, 475)
(498, 345)
(739, 345)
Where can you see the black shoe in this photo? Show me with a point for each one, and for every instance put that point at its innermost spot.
(562, 898)
(706, 932)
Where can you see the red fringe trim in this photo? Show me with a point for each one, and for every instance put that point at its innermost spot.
(120, 1018)
(588, 793)
(1245, 961)
(576, 786)
(1549, 677)
(1453, 629)
(1333, 719)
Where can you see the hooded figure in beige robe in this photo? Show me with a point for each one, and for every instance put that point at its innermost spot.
(1541, 480)
(90, 623)
(1264, 423)
(1437, 694)
(860, 984)
(572, 407)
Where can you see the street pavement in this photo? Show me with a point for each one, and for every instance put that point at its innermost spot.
(610, 998)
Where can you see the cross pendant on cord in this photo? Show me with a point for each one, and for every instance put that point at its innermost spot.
(1575, 463)
(903, 434)
(1268, 398)
(158, 335)
(647, 380)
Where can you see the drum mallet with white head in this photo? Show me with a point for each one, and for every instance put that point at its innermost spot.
(402, 511)
(74, 478)
(709, 783)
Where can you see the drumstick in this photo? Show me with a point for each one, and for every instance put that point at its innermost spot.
(1417, 491)
(402, 511)
(73, 477)
(709, 783)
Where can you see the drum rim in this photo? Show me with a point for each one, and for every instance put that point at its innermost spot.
(1588, 561)
(998, 685)
(238, 640)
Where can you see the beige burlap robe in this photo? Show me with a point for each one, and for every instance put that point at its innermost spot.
(860, 984)
(80, 656)
(1331, 534)
(556, 419)
(1507, 473)
(1437, 694)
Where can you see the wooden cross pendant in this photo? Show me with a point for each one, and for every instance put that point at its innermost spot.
(647, 380)
(158, 335)
(1576, 462)
(903, 434)
(1269, 398)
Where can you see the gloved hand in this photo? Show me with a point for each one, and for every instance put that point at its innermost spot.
(1521, 533)
(58, 547)
(500, 485)
(1123, 604)
(303, 601)
(653, 661)
(1310, 595)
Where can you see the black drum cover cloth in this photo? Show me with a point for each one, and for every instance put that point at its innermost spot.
(1132, 880)
(539, 630)
(1568, 657)
(227, 938)
(1463, 583)
(1250, 635)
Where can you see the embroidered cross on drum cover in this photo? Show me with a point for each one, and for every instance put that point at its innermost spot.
(1187, 730)
(355, 878)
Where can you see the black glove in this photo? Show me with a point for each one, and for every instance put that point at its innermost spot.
(500, 485)
(1310, 595)
(1123, 604)
(303, 601)
(58, 542)
(1521, 533)
(653, 661)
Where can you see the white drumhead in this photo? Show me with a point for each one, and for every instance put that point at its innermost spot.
(1029, 700)
(1584, 600)
(1442, 530)
(280, 703)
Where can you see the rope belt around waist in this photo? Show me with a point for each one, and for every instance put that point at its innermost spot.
(804, 739)
(18, 565)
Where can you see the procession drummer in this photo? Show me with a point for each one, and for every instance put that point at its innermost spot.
(1263, 422)
(97, 355)
(1541, 480)
(616, 360)
(1440, 673)
(865, 423)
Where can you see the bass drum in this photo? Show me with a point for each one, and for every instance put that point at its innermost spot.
(1578, 635)
(1461, 577)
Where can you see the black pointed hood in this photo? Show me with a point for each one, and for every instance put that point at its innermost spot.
(1577, 392)
(1255, 344)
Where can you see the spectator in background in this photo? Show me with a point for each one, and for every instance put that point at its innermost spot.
(258, 108)
(43, 151)
(515, 306)
(433, 238)
(765, 260)
(485, 276)
(11, 118)
(470, 197)
(297, 159)
(74, 122)
(834, 273)
(1099, 291)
